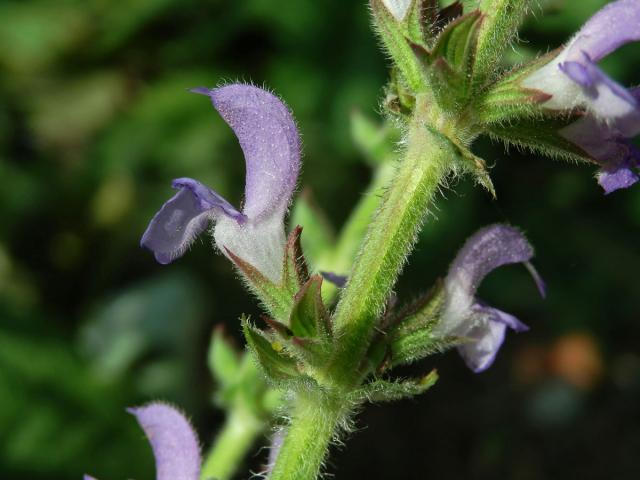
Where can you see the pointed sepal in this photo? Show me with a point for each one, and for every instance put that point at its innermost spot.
(500, 24)
(507, 99)
(452, 60)
(269, 354)
(309, 317)
(397, 40)
(295, 272)
(276, 299)
(541, 135)
(412, 338)
(380, 390)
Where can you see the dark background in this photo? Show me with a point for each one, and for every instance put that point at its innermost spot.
(94, 124)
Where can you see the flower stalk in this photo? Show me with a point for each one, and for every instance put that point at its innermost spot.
(238, 435)
(315, 418)
(389, 240)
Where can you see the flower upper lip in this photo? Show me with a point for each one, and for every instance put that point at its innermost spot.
(466, 316)
(270, 142)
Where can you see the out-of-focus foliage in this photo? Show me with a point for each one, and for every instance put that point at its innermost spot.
(95, 121)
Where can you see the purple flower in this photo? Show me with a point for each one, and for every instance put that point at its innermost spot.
(271, 146)
(618, 157)
(174, 443)
(464, 315)
(612, 112)
(573, 78)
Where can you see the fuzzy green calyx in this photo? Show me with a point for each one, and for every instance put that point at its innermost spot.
(277, 298)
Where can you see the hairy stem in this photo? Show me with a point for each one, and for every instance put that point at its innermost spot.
(389, 240)
(232, 444)
(314, 420)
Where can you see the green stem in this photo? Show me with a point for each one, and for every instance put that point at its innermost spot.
(389, 240)
(314, 420)
(237, 436)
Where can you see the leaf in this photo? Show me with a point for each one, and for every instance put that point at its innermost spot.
(457, 41)
(377, 142)
(390, 391)
(223, 360)
(541, 135)
(309, 317)
(500, 24)
(414, 346)
(394, 38)
(275, 365)
(452, 61)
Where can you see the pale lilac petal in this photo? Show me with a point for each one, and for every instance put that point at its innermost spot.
(617, 179)
(181, 219)
(486, 335)
(174, 443)
(505, 318)
(269, 139)
(540, 284)
(485, 339)
(622, 173)
(604, 97)
(87, 477)
(486, 250)
(617, 156)
(611, 27)
(398, 8)
(463, 314)
(574, 80)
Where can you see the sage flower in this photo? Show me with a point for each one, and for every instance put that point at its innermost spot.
(612, 112)
(173, 441)
(618, 156)
(269, 139)
(482, 327)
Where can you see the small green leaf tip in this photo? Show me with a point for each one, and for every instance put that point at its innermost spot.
(223, 360)
(379, 390)
(269, 354)
(309, 317)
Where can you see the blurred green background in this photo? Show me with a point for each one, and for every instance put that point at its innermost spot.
(95, 122)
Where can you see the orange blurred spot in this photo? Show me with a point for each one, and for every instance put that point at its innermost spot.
(577, 359)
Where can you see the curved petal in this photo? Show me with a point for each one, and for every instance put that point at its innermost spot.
(604, 97)
(485, 339)
(618, 157)
(573, 78)
(260, 243)
(486, 334)
(616, 179)
(269, 139)
(181, 219)
(174, 443)
(486, 250)
(611, 27)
